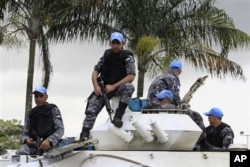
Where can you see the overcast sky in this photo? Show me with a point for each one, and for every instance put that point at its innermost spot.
(71, 81)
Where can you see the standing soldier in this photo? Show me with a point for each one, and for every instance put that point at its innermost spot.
(169, 81)
(43, 126)
(117, 70)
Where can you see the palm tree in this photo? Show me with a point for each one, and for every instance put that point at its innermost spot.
(186, 29)
(34, 19)
(194, 30)
(28, 18)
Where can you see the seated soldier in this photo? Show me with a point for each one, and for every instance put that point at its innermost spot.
(43, 127)
(219, 135)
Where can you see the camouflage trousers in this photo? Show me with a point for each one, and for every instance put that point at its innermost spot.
(96, 103)
(26, 150)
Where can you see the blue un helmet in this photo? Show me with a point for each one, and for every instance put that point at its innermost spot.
(40, 89)
(215, 112)
(117, 36)
(175, 64)
(165, 94)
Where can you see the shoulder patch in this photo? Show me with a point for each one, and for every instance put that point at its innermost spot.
(127, 56)
(130, 59)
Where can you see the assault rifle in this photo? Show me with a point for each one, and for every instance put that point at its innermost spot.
(186, 99)
(105, 97)
(38, 143)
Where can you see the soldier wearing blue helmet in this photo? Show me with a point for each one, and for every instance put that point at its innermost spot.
(169, 81)
(43, 127)
(176, 65)
(165, 97)
(116, 68)
(219, 135)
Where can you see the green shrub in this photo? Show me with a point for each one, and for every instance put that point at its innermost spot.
(10, 134)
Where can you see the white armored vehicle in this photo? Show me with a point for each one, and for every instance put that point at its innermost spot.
(147, 139)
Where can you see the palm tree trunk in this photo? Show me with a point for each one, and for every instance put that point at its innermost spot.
(31, 66)
(47, 67)
(140, 85)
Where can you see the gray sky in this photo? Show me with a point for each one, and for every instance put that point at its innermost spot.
(71, 81)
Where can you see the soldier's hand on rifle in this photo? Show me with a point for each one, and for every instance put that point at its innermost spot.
(30, 142)
(45, 145)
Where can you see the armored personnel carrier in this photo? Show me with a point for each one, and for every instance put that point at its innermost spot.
(148, 138)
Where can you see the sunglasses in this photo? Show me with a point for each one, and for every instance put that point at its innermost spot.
(39, 95)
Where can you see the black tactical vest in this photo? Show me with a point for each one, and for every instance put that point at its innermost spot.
(41, 121)
(113, 69)
(213, 135)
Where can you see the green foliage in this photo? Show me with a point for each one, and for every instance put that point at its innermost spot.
(146, 45)
(10, 134)
(195, 31)
(40, 21)
(183, 26)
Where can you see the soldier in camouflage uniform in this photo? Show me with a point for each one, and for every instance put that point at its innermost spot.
(219, 135)
(117, 69)
(43, 127)
(169, 81)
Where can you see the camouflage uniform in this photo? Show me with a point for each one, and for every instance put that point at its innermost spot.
(96, 103)
(54, 138)
(167, 81)
(197, 118)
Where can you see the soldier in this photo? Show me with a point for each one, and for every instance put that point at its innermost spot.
(165, 98)
(169, 81)
(117, 69)
(43, 125)
(219, 135)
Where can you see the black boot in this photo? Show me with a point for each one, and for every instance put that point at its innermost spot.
(117, 122)
(118, 114)
(84, 134)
